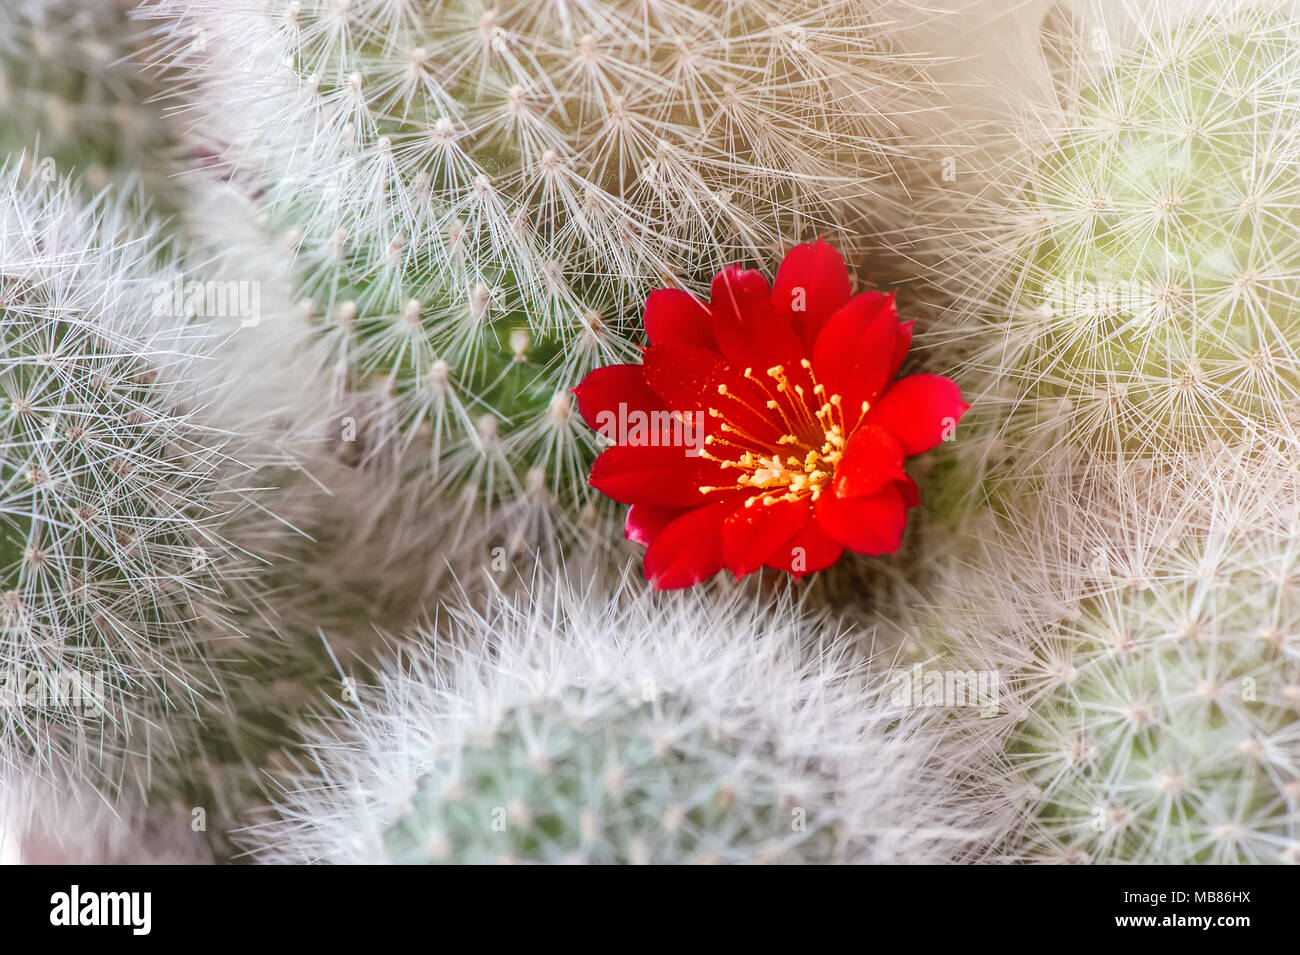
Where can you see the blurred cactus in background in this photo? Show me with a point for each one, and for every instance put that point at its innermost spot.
(72, 104)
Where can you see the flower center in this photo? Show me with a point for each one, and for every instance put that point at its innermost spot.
(802, 459)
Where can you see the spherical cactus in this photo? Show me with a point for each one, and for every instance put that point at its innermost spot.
(113, 492)
(571, 729)
(482, 195)
(1166, 723)
(1150, 306)
(71, 100)
(1147, 652)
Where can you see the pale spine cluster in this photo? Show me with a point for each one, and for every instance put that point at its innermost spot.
(114, 493)
(574, 727)
(1134, 296)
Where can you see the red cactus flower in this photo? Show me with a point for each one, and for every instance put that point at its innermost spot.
(766, 427)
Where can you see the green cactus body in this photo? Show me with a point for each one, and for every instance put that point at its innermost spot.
(1154, 302)
(592, 776)
(1158, 720)
(1171, 734)
(569, 725)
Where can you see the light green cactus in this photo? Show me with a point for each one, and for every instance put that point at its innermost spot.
(1150, 308)
(1150, 674)
(595, 777)
(1166, 723)
(114, 493)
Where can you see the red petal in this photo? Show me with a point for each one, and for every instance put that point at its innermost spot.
(911, 493)
(754, 531)
(808, 551)
(871, 460)
(689, 549)
(684, 377)
(919, 410)
(663, 477)
(853, 354)
(749, 332)
(675, 317)
(868, 525)
(813, 276)
(901, 344)
(605, 389)
(644, 522)
(687, 379)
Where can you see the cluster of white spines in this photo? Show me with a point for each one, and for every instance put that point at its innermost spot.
(1145, 633)
(546, 144)
(568, 728)
(1149, 304)
(1130, 312)
(111, 490)
(1171, 731)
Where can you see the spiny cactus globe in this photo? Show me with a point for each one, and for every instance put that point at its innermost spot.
(571, 729)
(1151, 305)
(1165, 723)
(112, 491)
(1148, 657)
(482, 194)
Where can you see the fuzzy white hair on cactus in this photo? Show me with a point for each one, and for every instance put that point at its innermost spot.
(1134, 295)
(571, 727)
(113, 492)
(1148, 643)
